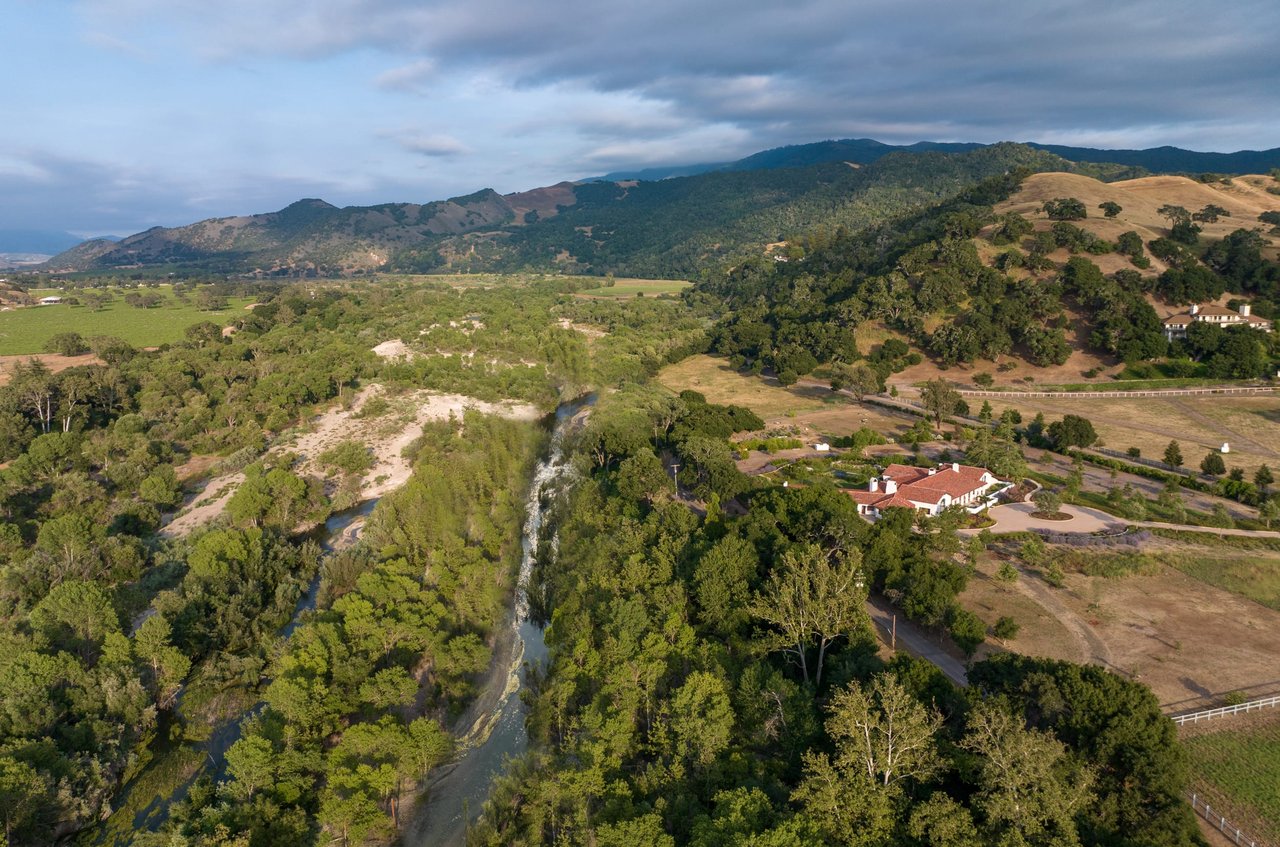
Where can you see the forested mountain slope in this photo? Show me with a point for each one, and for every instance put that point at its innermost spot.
(1033, 266)
(669, 228)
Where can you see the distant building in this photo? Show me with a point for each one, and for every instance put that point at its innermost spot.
(50, 301)
(822, 447)
(928, 489)
(1176, 326)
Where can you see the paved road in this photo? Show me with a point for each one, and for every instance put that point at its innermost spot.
(913, 639)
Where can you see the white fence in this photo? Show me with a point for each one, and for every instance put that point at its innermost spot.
(1120, 393)
(1223, 711)
(1220, 823)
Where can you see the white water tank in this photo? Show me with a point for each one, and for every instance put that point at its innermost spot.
(1226, 448)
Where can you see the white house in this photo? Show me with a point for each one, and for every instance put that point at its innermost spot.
(50, 301)
(930, 489)
(1175, 326)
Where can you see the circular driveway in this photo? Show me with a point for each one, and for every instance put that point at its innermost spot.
(1017, 517)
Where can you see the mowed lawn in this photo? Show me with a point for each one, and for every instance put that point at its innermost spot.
(26, 330)
(638, 287)
(1238, 771)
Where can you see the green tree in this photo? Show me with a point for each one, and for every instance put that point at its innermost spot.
(1047, 502)
(810, 600)
(940, 399)
(76, 615)
(1072, 431)
(169, 666)
(1174, 214)
(940, 821)
(1029, 787)
(1211, 213)
(1065, 209)
(23, 792)
(966, 629)
(700, 719)
(1006, 628)
(858, 379)
(1212, 464)
(66, 344)
(881, 729)
(1263, 477)
(1173, 454)
(1269, 510)
(1110, 208)
(203, 334)
(252, 765)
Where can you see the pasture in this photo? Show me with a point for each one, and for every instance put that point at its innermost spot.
(626, 288)
(1235, 763)
(806, 411)
(26, 330)
(1249, 423)
(1144, 615)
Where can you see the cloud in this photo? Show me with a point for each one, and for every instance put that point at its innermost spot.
(808, 69)
(433, 145)
(412, 77)
(245, 105)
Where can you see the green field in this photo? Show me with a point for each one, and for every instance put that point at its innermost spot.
(26, 330)
(638, 287)
(1237, 771)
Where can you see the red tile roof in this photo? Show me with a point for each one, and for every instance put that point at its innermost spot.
(924, 485)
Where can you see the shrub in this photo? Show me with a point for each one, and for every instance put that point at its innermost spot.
(1005, 629)
(349, 456)
(1054, 575)
(966, 629)
(67, 344)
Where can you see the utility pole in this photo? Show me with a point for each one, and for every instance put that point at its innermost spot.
(893, 633)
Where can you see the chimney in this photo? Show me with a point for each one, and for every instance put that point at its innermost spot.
(890, 487)
(1195, 309)
(874, 485)
(955, 466)
(1245, 309)
(932, 471)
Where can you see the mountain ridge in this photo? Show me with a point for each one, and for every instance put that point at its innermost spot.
(1164, 159)
(602, 226)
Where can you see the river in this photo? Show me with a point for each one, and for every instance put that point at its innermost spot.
(492, 731)
(340, 531)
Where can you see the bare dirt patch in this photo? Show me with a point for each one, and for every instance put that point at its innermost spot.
(395, 350)
(52, 361)
(591, 332)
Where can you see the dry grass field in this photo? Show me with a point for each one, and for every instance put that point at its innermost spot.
(1191, 642)
(1250, 424)
(810, 410)
(1245, 198)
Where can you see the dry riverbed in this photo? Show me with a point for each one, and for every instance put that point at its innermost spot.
(386, 435)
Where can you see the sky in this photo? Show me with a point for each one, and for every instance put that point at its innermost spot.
(119, 115)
